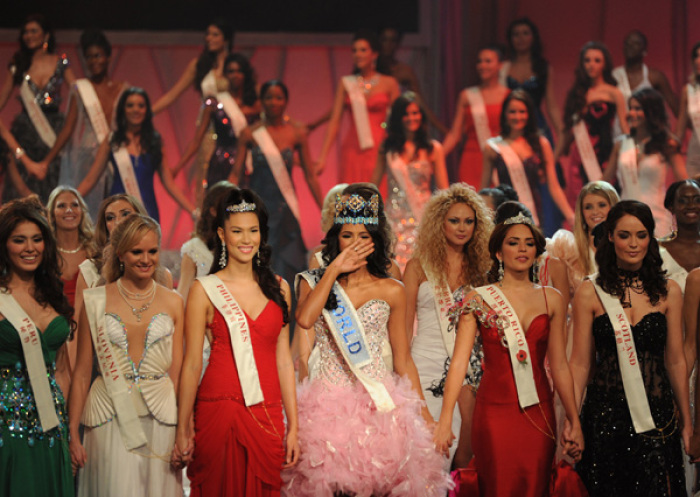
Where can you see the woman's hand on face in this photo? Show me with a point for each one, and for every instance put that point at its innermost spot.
(354, 256)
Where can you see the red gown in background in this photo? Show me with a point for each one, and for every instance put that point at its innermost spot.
(239, 450)
(472, 160)
(357, 165)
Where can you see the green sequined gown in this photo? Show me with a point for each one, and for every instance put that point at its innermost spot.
(32, 463)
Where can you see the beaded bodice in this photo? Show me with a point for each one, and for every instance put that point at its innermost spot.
(49, 97)
(374, 315)
(200, 254)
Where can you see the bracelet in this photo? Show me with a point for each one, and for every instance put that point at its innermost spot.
(19, 153)
(195, 214)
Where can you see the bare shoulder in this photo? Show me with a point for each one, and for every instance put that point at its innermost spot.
(674, 291)
(284, 286)
(586, 292)
(415, 269)
(553, 296)
(171, 297)
(391, 287)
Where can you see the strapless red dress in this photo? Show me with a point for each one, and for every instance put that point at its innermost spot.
(239, 450)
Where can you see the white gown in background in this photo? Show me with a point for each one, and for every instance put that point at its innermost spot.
(651, 175)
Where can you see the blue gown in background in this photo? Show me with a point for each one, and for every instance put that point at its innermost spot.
(144, 169)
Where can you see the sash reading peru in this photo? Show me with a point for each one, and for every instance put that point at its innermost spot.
(627, 169)
(694, 107)
(358, 104)
(278, 168)
(93, 108)
(632, 381)
(34, 357)
(36, 115)
(585, 150)
(239, 331)
(349, 335)
(126, 171)
(515, 336)
(478, 110)
(516, 171)
(129, 425)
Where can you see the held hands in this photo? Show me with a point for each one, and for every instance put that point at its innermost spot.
(293, 449)
(182, 452)
(354, 256)
(443, 438)
(572, 440)
(36, 169)
(78, 456)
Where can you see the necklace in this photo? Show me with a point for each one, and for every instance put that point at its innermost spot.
(137, 311)
(133, 295)
(70, 251)
(630, 283)
(367, 84)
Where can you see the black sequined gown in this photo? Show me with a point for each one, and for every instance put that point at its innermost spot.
(617, 461)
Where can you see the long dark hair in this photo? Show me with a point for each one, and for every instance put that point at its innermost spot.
(396, 136)
(150, 138)
(269, 84)
(498, 236)
(268, 282)
(576, 98)
(654, 109)
(206, 226)
(693, 54)
(206, 60)
(250, 96)
(95, 38)
(651, 274)
(540, 66)
(379, 261)
(531, 133)
(22, 58)
(48, 286)
(373, 40)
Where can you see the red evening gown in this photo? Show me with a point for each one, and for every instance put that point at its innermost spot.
(238, 450)
(472, 160)
(357, 165)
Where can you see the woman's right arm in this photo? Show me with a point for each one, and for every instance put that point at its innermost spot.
(196, 140)
(79, 389)
(173, 93)
(332, 130)
(380, 167)
(412, 277)
(6, 90)
(244, 140)
(187, 275)
(197, 311)
(610, 173)
(455, 133)
(486, 171)
(583, 346)
(98, 167)
(682, 124)
(65, 133)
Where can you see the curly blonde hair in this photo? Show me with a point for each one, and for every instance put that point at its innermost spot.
(85, 229)
(431, 247)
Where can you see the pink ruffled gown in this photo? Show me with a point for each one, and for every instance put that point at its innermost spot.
(347, 445)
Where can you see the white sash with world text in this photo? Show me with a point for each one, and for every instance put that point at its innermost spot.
(349, 335)
(36, 115)
(627, 169)
(694, 108)
(34, 358)
(516, 171)
(233, 111)
(520, 357)
(278, 168)
(399, 169)
(632, 380)
(93, 108)
(478, 110)
(126, 171)
(132, 433)
(358, 104)
(586, 151)
(240, 337)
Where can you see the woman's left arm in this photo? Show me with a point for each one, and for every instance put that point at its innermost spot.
(552, 106)
(678, 167)
(166, 176)
(306, 164)
(553, 185)
(675, 359)
(439, 167)
(63, 371)
(285, 371)
(621, 110)
(178, 315)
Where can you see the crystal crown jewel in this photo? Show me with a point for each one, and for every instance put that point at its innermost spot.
(356, 210)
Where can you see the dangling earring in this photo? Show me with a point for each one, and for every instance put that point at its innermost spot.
(501, 272)
(536, 271)
(222, 259)
(45, 46)
(257, 258)
(121, 267)
(674, 227)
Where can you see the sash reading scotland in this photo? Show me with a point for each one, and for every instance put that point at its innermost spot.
(358, 104)
(517, 344)
(239, 331)
(349, 335)
(129, 425)
(34, 358)
(632, 381)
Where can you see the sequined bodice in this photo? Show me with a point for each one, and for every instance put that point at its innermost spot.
(374, 315)
(419, 173)
(49, 97)
(200, 254)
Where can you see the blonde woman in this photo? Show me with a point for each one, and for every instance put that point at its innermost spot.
(451, 257)
(135, 324)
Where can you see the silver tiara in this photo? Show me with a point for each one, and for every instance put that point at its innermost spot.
(241, 207)
(519, 219)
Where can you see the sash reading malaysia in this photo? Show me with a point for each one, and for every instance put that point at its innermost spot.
(517, 344)
(585, 150)
(34, 357)
(349, 335)
(95, 300)
(239, 331)
(358, 104)
(632, 381)
(93, 108)
(516, 171)
(694, 107)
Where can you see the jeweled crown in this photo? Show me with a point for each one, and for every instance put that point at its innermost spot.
(356, 210)
(243, 206)
(519, 219)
